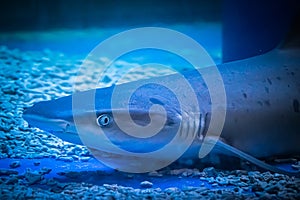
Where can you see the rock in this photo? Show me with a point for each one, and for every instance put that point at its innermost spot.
(257, 187)
(197, 173)
(155, 174)
(12, 180)
(85, 159)
(273, 189)
(106, 79)
(61, 173)
(73, 175)
(15, 164)
(189, 188)
(33, 176)
(222, 181)
(33, 155)
(54, 151)
(210, 171)
(242, 184)
(5, 128)
(236, 189)
(279, 176)
(188, 172)
(66, 159)
(51, 182)
(254, 176)
(36, 163)
(34, 143)
(215, 184)
(75, 157)
(113, 187)
(296, 166)
(45, 170)
(267, 176)
(176, 172)
(58, 187)
(6, 172)
(172, 190)
(146, 184)
(244, 178)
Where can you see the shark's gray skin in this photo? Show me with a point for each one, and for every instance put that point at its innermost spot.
(262, 118)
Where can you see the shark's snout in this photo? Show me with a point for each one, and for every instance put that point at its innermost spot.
(44, 123)
(53, 117)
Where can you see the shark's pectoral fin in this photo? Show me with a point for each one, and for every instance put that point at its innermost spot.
(219, 144)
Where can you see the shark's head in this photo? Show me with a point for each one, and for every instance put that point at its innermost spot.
(91, 119)
(55, 117)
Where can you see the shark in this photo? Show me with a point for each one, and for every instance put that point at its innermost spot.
(262, 114)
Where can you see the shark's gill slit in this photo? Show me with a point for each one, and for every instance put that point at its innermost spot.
(191, 132)
(186, 129)
(196, 127)
(200, 132)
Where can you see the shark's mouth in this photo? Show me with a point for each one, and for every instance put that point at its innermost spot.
(129, 162)
(67, 136)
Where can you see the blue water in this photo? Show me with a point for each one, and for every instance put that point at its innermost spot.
(81, 42)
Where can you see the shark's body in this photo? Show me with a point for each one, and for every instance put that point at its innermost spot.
(262, 118)
(263, 95)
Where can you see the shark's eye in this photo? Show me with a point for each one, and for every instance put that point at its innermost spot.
(104, 120)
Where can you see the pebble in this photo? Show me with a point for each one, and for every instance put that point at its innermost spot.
(244, 178)
(172, 190)
(146, 184)
(296, 166)
(257, 187)
(242, 184)
(183, 172)
(155, 174)
(215, 184)
(33, 176)
(85, 159)
(273, 189)
(5, 128)
(15, 164)
(6, 172)
(210, 171)
(66, 159)
(45, 170)
(12, 180)
(222, 181)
